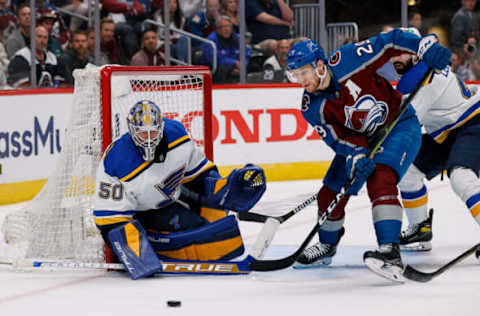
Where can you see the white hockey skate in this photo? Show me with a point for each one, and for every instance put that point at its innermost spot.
(386, 262)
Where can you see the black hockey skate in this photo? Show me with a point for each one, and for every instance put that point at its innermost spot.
(418, 237)
(318, 254)
(386, 262)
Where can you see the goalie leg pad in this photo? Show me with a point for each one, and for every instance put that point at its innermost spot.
(220, 240)
(130, 244)
(239, 192)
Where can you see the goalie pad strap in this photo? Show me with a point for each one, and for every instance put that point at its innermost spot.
(129, 242)
(220, 240)
(211, 214)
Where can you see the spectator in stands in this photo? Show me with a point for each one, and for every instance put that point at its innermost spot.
(189, 7)
(228, 52)
(415, 19)
(79, 7)
(48, 19)
(109, 45)
(91, 49)
(7, 20)
(462, 72)
(468, 57)
(21, 36)
(203, 23)
(47, 73)
(268, 19)
(464, 23)
(149, 55)
(178, 48)
(74, 58)
(230, 9)
(60, 30)
(278, 61)
(128, 17)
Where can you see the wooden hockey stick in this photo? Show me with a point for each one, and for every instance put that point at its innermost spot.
(419, 276)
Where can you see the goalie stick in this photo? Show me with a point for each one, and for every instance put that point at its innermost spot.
(219, 267)
(419, 276)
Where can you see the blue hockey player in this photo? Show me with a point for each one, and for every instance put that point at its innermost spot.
(450, 114)
(347, 103)
(158, 196)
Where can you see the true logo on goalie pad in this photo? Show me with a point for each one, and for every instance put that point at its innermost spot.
(201, 267)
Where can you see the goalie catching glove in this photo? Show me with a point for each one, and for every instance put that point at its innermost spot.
(239, 192)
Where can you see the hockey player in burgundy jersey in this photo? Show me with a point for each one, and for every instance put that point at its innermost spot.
(347, 103)
(158, 196)
(450, 114)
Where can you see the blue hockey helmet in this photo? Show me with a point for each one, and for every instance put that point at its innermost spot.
(305, 53)
(145, 125)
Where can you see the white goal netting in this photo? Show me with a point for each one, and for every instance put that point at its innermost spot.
(57, 224)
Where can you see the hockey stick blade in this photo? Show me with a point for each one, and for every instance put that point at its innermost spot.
(253, 217)
(260, 218)
(278, 264)
(419, 276)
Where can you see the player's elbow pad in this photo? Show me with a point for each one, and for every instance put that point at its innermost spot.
(129, 242)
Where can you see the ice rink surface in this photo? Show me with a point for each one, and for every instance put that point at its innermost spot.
(344, 288)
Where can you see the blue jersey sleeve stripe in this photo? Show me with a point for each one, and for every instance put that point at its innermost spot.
(197, 168)
(191, 176)
(464, 118)
(102, 213)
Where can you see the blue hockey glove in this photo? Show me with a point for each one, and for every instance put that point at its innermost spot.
(434, 54)
(359, 165)
(240, 191)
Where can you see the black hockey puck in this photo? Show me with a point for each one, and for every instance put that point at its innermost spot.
(174, 303)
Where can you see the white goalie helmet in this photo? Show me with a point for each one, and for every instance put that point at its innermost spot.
(145, 125)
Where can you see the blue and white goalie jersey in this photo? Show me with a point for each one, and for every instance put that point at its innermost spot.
(126, 183)
(443, 104)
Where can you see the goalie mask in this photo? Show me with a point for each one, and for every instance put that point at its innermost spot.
(145, 125)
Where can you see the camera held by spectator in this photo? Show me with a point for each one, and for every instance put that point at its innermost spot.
(471, 49)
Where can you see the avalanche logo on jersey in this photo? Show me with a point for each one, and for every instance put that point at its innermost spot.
(366, 114)
(170, 185)
(335, 58)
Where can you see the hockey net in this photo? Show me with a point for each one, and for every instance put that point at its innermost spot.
(57, 224)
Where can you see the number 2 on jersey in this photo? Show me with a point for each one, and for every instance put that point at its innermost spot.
(364, 47)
